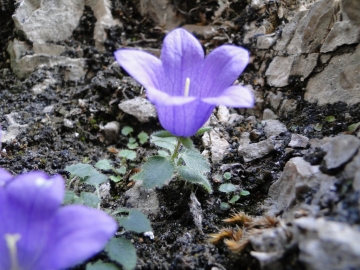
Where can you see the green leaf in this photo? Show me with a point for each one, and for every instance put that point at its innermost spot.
(330, 119)
(187, 142)
(163, 153)
(90, 199)
(126, 130)
(162, 134)
(79, 169)
(121, 170)
(155, 172)
(122, 251)
(202, 130)
(318, 127)
(128, 154)
(353, 127)
(104, 164)
(227, 175)
(143, 137)
(234, 199)
(132, 140)
(194, 160)
(100, 265)
(244, 193)
(71, 198)
(194, 176)
(95, 178)
(227, 188)
(115, 179)
(168, 143)
(132, 145)
(135, 221)
(224, 206)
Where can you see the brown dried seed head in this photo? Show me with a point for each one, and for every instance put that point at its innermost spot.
(239, 218)
(236, 246)
(215, 238)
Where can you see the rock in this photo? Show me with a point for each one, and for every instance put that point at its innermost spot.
(41, 87)
(273, 127)
(279, 71)
(269, 114)
(352, 171)
(313, 28)
(13, 129)
(206, 139)
(288, 105)
(339, 81)
(223, 114)
(256, 150)
(140, 108)
(303, 65)
(298, 179)
(68, 123)
(145, 200)
(244, 139)
(340, 150)
(298, 140)
(218, 146)
(111, 131)
(207, 31)
(327, 244)
(235, 118)
(275, 99)
(265, 42)
(48, 109)
(43, 21)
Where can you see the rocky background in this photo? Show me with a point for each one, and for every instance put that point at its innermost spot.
(64, 100)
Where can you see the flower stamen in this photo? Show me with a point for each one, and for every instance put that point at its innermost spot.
(11, 240)
(187, 87)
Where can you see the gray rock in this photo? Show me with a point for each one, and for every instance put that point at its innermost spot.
(269, 114)
(145, 200)
(218, 146)
(303, 65)
(275, 99)
(223, 114)
(340, 150)
(255, 150)
(13, 129)
(279, 71)
(327, 244)
(111, 131)
(140, 108)
(339, 81)
(43, 21)
(68, 123)
(235, 118)
(288, 105)
(352, 171)
(273, 127)
(298, 140)
(265, 42)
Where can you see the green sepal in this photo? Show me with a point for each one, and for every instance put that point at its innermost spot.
(162, 134)
(202, 130)
(187, 142)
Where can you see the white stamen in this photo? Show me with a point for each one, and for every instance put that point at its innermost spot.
(11, 240)
(187, 87)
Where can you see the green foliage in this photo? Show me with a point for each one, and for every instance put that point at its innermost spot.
(135, 221)
(87, 174)
(318, 127)
(162, 134)
(100, 265)
(244, 193)
(126, 130)
(143, 137)
(71, 198)
(128, 154)
(353, 127)
(227, 188)
(227, 176)
(234, 199)
(330, 119)
(168, 143)
(187, 142)
(194, 176)
(122, 251)
(104, 164)
(90, 199)
(202, 130)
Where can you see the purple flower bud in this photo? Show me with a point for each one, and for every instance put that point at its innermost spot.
(184, 86)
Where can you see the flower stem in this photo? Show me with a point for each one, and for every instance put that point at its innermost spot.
(176, 151)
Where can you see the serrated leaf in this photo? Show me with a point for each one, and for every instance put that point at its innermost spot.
(353, 127)
(71, 198)
(81, 170)
(244, 193)
(126, 130)
(95, 178)
(136, 222)
(227, 175)
(100, 265)
(194, 176)
(168, 143)
(330, 119)
(234, 199)
(155, 172)
(90, 199)
(163, 153)
(143, 137)
(187, 142)
(115, 179)
(104, 164)
(194, 160)
(162, 134)
(121, 170)
(122, 251)
(202, 130)
(227, 188)
(128, 154)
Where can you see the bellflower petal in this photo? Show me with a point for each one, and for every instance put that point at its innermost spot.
(233, 96)
(142, 66)
(4, 176)
(31, 214)
(187, 87)
(83, 229)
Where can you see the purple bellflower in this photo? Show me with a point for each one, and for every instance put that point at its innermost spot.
(37, 234)
(184, 86)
